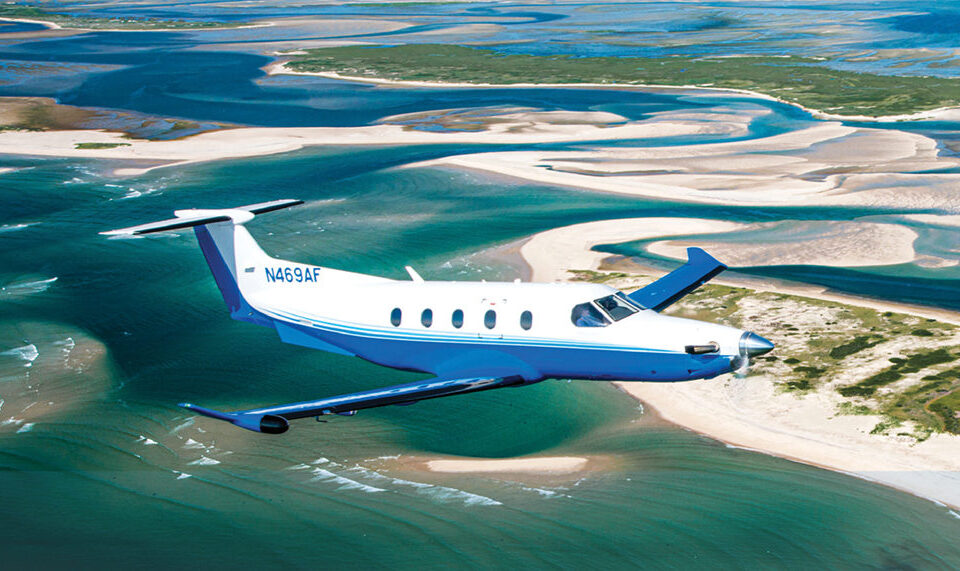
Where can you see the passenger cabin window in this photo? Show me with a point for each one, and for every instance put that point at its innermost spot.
(457, 318)
(526, 320)
(490, 319)
(426, 318)
(395, 317)
(617, 306)
(586, 315)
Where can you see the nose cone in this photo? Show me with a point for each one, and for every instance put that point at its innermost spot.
(753, 345)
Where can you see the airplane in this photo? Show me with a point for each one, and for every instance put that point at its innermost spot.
(472, 336)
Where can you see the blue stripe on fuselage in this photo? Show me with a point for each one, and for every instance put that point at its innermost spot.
(493, 356)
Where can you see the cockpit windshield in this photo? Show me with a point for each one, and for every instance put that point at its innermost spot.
(586, 315)
(617, 306)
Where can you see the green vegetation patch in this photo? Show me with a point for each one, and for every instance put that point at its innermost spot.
(21, 12)
(901, 367)
(596, 277)
(805, 81)
(101, 145)
(857, 344)
(947, 408)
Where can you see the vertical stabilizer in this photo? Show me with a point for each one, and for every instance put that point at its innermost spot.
(230, 250)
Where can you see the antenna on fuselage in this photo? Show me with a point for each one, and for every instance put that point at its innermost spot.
(413, 274)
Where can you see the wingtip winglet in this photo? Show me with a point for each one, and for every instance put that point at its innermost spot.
(699, 255)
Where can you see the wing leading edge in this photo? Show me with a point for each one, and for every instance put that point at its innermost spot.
(698, 270)
(274, 419)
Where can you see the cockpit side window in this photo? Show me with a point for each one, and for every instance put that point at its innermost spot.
(617, 307)
(586, 315)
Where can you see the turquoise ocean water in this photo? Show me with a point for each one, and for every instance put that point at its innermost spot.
(100, 338)
(130, 327)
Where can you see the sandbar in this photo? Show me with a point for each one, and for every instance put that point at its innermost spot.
(540, 465)
(832, 243)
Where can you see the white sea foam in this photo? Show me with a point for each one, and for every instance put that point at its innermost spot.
(298, 467)
(27, 288)
(15, 227)
(374, 475)
(204, 461)
(28, 353)
(320, 460)
(192, 444)
(182, 475)
(181, 426)
(432, 491)
(26, 428)
(12, 420)
(66, 346)
(133, 192)
(401, 482)
(146, 441)
(321, 475)
(545, 493)
(954, 514)
(446, 494)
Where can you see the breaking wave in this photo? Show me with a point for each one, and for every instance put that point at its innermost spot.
(321, 475)
(28, 353)
(27, 288)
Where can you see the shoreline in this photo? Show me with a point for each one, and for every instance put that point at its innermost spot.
(940, 113)
(54, 26)
(751, 413)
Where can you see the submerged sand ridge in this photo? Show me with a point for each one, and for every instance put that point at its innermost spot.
(46, 370)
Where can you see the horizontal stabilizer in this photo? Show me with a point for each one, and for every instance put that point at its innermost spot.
(698, 270)
(190, 218)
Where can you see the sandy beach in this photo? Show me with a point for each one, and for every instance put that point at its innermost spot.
(844, 244)
(831, 243)
(751, 412)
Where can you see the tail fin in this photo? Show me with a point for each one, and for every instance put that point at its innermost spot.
(228, 248)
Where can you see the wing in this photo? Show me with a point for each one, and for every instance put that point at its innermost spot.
(698, 270)
(274, 419)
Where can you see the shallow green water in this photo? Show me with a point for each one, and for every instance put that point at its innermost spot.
(130, 327)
